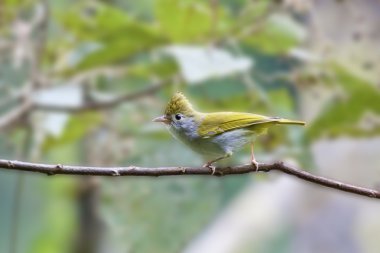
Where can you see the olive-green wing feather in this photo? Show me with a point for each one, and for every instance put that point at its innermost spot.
(217, 123)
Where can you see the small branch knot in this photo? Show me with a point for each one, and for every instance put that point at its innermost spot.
(57, 168)
(115, 173)
(373, 194)
(183, 169)
(11, 164)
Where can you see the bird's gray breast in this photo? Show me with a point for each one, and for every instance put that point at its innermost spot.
(187, 132)
(187, 129)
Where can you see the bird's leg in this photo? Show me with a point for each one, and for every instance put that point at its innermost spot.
(209, 163)
(253, 160)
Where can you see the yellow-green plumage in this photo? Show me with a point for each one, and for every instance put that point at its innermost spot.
(215, 134)
(179, 104)
(220, 122)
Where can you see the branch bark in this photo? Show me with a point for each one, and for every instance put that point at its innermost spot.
(58, 169)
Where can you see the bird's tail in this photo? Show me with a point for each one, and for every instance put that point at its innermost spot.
(288, 121)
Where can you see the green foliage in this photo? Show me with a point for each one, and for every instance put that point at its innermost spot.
(284, 100)
(183, 21)
(164, 68)
(117, 38)
(13, 3)
(345, 115)
(250, 13)
(8, 10)
(278, 34)
(78, 126)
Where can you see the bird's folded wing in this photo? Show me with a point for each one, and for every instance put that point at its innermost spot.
(217, 123)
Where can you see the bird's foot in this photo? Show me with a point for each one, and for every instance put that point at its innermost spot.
(256, 164)
(212, 168)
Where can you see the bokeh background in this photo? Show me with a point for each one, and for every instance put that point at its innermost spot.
(81, 80)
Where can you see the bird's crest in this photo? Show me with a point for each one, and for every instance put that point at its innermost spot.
(179, 104)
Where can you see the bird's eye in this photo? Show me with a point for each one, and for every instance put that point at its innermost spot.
(177, 116)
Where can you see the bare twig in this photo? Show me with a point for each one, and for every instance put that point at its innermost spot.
(18, 96)
(171, 171)
(15, 114)
(96, 105)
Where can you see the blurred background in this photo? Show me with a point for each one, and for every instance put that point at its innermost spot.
(80, 82)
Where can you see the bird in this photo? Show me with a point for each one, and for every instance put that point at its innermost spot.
(216, 135)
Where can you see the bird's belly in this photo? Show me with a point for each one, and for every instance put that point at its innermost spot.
(234, 140)
(218, 145)
(206, 147)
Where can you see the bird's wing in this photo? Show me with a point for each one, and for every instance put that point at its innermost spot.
(217, 123)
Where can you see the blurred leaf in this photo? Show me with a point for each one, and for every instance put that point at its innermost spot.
(347, 116)
(256, 9)
(94, 21)
(250, 12)
(118, 36)
(279, 34)
(183, 20)
(14, 3)
(201, 63)
(77, 127)
(142, 9)
(282, 100)
(70, 95)
(134, 41)
(8, 10)
(223, 93)
(163, 68)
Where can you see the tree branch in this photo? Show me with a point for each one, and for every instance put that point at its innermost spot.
(171, 171)
(24, 108)
(15, 114)
(96, 105)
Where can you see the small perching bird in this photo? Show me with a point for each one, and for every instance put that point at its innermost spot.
(215, 135)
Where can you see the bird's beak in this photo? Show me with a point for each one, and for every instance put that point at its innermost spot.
(162, 119)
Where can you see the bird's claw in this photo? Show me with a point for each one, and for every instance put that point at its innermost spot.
(256, 164)
(212, 168)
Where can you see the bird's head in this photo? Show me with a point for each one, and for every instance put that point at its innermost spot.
(178, 113)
